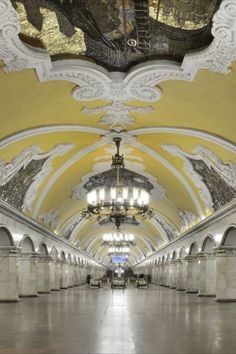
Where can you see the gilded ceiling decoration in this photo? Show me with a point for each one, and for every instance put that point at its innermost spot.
(133, 31)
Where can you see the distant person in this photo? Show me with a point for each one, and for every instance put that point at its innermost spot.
(88, 278)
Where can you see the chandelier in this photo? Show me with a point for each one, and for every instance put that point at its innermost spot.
(118, 239)
(117, 250)
(124, 193)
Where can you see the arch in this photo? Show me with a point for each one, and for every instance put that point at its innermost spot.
(54, 252)
(43, 250)
(74, 259)
(69, 257)
(208, 244)
(6, 238)
(174, 255)
(193, 248)
(63, 256)
(182, 253)
(167, 258)
(27, 245)
(229, 238)
(163, 259)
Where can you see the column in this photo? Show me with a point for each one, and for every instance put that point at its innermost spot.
(181, 275)
(43, 274)
(63, 274)
(70, 275)
(192, 274)
(167, 274)
(226, 274)
(28, 284)
(9, 274)
(207, 276)
(162, 274)
(173, 275)
(55, 274)
(76, 274)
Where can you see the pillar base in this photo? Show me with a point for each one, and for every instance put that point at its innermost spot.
(172, 287)
(191, 291)
(55, 289)
(206, 295)
(64, 288)
(10, 301)
(180, 289)
(25, 296)
(44, 292)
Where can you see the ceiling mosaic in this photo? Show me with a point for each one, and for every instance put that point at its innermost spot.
(133, 32)
(70, 83)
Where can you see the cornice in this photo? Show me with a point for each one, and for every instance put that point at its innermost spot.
(16, 215)
(230, 208)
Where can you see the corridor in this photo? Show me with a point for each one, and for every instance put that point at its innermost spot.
(99, 321)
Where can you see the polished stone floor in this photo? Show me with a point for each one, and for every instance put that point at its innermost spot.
(146, 321)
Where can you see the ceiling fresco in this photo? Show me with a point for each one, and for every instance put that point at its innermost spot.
(159, 74)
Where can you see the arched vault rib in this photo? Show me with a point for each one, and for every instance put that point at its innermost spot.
(61, 170)
(176, 173)
(136, 144)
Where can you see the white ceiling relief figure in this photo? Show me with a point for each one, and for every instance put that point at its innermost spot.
(187, 218)
(207, 171)
(50, 218)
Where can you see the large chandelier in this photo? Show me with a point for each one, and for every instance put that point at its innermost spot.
(125, 193)
(118, 250)
(117, 239)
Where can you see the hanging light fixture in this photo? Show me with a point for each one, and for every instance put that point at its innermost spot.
(118, 239)
(125, 193)
(118, 250)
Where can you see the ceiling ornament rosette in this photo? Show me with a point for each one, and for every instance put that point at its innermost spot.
(95, 82)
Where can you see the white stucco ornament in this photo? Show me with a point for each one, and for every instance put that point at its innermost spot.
(140, 83)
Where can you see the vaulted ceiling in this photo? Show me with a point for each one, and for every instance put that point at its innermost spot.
(176, 120)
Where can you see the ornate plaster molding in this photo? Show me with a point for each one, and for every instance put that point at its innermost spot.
(117, 114)
(9, 169)
(50, 218)
(140, 83)
(187, 218)
(226, 171)
(47, 168)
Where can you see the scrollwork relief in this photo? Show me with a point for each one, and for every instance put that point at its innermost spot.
(95, 82)
(25, 173)
(208, 172)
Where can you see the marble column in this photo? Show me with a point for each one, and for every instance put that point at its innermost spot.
(172, 274)
(55, 274)
(167, 274)
(226, 274)
(162, 274)
(76, 274)
(28, 282)
(70, 275)
(192, 274)
(43, 274)
(207, 276)
(63, 275)
(181, 275)
(9, 274)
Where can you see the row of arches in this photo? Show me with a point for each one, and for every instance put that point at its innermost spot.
(206, 271)
(208, 245)
(27, 246)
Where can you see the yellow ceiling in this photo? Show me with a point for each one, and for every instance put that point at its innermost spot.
(205, 105)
